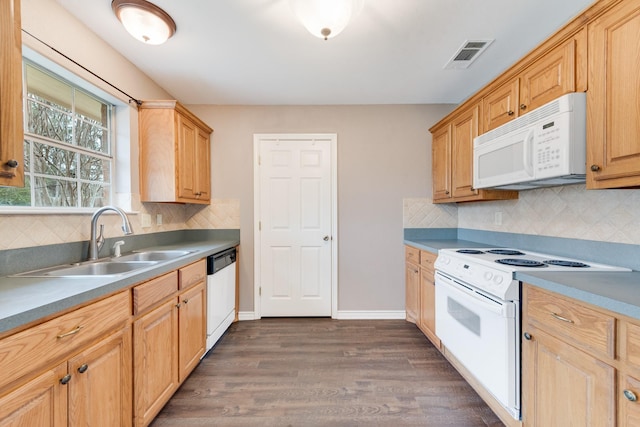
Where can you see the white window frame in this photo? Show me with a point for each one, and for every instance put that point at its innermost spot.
(119, 142)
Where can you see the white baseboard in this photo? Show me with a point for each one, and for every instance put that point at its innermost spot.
(347, 315)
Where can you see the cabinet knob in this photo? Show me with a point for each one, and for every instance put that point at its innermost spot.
(185, 301)
(178, 305)
(510, 113)
(523, 107)
(595, 168)
(527, 336)
(65, 380)
(446, 192)
(631, 396)
(12, 163)
(83, 368)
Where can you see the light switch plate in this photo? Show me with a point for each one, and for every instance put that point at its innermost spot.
(145, 219)
(159, 219)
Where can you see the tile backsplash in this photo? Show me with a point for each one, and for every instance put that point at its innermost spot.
(567, 211)
(421, 213)
(21, 231)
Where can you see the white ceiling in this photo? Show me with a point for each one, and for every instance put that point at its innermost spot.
(256, 52)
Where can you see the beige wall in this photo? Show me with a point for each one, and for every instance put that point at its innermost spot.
(383, 156)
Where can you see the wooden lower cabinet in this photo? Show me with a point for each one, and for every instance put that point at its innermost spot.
(192, 332)
(40, 402)
(93, 388)
(420, 304)
(564, 386)
(427, 322)
(155, 361)
(580, 363)
(412, 284)
(169, 341)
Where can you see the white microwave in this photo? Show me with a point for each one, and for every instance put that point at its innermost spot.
(543, 148)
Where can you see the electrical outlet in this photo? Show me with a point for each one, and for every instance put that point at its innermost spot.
(159, 219)
(497, 218)
(145, 219)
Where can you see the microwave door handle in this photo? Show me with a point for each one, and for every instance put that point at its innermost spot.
(528, 153)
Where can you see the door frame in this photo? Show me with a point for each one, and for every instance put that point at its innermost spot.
(333, 138)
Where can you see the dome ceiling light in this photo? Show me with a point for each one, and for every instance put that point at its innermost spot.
(326, 18)
(144, 21)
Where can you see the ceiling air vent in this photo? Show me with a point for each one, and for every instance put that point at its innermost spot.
(467, 53)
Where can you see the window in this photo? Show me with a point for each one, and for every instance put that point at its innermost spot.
(68, 148)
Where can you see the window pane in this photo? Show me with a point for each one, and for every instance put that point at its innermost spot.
(90, 108)
(48, 122)
(95, 169)
(54, 193)
(49, 160)
(93, 137)
(27, 156)
(48, 89)
(13, 196)
(94, 195)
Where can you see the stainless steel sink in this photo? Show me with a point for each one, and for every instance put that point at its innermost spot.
(103, 268)
(159, 255)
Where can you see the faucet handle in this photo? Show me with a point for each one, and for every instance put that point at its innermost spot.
(116, 248)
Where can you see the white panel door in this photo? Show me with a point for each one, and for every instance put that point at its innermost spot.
(295, 226)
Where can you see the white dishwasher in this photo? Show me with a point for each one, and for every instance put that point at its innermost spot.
(221, 294)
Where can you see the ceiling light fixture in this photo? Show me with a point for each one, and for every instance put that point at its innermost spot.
(326, 18)
(145, 21)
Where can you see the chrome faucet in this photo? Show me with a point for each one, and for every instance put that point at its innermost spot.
(95, 241)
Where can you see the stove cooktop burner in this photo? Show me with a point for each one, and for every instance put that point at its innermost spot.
(470, 251)
(510, 252)
(520, 262)
(564, 263)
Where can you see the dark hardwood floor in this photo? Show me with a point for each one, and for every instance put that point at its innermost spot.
(323, 372)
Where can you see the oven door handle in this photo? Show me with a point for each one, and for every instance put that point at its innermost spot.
(474, 297)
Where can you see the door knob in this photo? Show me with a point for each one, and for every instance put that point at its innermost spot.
(325, 238)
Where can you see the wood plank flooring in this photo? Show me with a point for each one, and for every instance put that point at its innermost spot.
(324, 372)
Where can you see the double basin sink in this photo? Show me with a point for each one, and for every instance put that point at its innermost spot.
(115, 266)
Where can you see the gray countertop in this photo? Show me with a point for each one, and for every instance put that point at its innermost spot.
(615, 291)
(24, 300)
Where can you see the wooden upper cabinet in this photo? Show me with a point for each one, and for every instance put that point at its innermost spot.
(560, 71)
(175, 159)
(441, 164)
(11, 131)
(613, 128)
(463, 129)
(500, 105)
(452, 147)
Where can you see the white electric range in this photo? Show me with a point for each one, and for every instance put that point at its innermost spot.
(478, 311)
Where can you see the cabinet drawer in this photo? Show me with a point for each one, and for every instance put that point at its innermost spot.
(153, 291)
(427, 259)
(584, 327)
(630, 344)
(193, 273)
(44, 344)
(412, 254)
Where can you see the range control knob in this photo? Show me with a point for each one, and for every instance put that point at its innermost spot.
(488, 275)
(497, 279)
(446, 260)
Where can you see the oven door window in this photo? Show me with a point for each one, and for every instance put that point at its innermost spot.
(464, 316)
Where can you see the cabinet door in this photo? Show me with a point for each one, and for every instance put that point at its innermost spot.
(203, 166)
(563, 386)
(412, 292)
(428, 306)
(155, 358)
(187, 159)
(441, 164)
(40, 402)
(11, 131)
(550, 77)
(100, 388)
(464, 129)
(501, 105)
(613, 128)
(629, 408)
(192, 331)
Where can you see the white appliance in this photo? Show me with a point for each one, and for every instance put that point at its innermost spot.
(478, 311)
(221, 294)
(543, 148)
